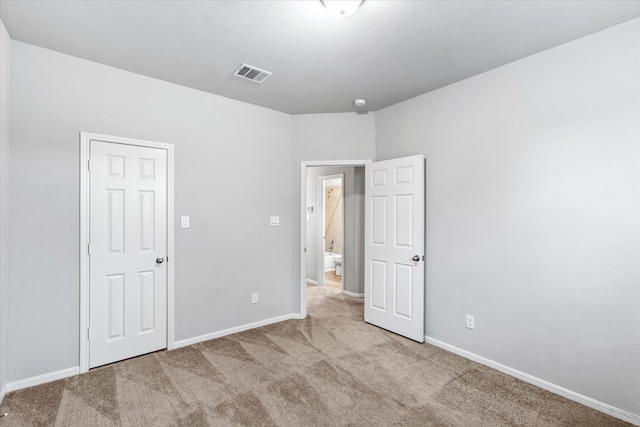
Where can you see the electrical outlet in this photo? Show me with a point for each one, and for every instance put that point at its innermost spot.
(470, 322)
(254, 298)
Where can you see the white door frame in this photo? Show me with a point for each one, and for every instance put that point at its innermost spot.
(321, 221)
(85, 139)
(303, 224)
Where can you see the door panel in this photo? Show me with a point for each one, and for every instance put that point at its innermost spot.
(147, 298)
(115, 306)
(394, 235)
(128, 231)
(379, 285)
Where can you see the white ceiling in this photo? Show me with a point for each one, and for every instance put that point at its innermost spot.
(387, 52)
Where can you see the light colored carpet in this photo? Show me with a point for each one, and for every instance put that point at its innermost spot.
(330, 369)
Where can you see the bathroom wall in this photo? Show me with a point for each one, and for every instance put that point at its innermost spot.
(333, 218)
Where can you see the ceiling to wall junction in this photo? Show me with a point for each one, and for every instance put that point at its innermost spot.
(387, 52)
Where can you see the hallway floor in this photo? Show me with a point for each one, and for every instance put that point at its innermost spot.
(332, 279)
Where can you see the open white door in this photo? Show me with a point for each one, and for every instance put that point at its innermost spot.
(394, 246)
(128, 250)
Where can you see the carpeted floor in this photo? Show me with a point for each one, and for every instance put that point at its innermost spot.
(331, 369)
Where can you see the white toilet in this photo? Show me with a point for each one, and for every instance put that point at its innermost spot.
(337, 260)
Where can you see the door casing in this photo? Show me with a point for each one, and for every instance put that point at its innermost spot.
(85, 138)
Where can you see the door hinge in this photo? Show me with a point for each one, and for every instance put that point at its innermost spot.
(89, 165)
(89, 248)
(89, 334)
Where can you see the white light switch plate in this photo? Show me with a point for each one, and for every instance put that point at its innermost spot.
(184, 222)
(275, 221)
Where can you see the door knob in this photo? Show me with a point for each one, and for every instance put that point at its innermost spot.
(159, 260)
(416, 258)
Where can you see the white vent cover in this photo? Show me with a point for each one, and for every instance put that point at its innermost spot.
(249, 72)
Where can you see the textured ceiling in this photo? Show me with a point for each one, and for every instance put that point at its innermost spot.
(387, 52)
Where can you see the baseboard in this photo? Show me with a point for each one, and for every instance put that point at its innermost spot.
(41, 379)
(3, 392)
(571, 395)
(312, 282)
(234, 330)
(352, 294)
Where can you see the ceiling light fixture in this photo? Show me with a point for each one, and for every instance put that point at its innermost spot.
(342, 8)
(359, 102)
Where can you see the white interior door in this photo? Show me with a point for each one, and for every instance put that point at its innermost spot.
(394, 246)
(128, 249)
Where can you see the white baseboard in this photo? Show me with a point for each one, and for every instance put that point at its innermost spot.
(312, 282)
(352, 294)
(234, 330)
(571, 395)
(40, 379)
(3, 391)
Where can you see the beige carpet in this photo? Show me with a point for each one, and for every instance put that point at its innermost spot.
(331, 369)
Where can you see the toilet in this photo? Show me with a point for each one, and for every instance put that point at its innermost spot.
(337, 260)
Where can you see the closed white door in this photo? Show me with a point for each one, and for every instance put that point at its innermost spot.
(394, 246)
(128, 249)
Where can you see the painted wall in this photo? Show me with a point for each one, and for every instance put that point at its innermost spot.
(5, 80)
(54, 97)
(533, 212)
(333, 219)
(341, 136)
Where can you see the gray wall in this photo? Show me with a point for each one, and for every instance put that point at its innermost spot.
(358, 233)
(533, 212)
(341, 136)
(233, 171)
(352, 282)
(5, 72)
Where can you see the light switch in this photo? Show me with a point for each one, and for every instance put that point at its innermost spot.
(275, 221)
(184, 222)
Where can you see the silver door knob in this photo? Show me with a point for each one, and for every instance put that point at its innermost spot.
(159, 260)
(416, 258)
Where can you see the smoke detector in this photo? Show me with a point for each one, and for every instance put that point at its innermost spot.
(359, 102)
(251, 73)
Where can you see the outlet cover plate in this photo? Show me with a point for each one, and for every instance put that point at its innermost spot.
(470, 322)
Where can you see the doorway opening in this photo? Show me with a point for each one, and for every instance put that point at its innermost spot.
(330, 230)
(332, 193)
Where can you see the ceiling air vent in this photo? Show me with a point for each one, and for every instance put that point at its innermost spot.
(249, 72)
